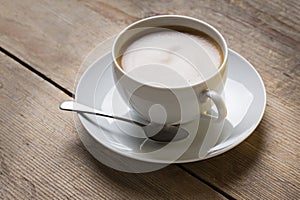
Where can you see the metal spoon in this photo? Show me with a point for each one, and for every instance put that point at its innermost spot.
(156, 132)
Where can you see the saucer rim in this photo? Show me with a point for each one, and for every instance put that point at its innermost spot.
(178, 161)
(250, 131)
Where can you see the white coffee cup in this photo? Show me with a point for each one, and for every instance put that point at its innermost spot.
(163, 103)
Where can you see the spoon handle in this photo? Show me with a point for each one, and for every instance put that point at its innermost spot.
(80, 108)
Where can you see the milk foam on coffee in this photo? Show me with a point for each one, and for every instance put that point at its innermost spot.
(171, 58)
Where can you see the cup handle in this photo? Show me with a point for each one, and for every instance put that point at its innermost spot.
(211, 138)
(218, 101)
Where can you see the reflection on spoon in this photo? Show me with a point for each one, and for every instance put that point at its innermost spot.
(156, 132)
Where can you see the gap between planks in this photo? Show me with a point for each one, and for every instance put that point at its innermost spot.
(30, 68)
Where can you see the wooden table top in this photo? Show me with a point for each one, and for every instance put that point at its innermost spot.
(43, 44)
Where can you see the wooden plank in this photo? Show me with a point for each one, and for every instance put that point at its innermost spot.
(266, 165)
(267, 34)
(42, 157)
(56, 36)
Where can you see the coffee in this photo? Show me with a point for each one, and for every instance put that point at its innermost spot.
(172, 56)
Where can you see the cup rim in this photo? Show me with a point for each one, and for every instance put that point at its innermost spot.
(222, 66)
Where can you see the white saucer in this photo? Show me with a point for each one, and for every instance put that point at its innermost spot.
(245, 99)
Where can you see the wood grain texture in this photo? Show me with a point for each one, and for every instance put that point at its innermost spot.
(266, 165)
(42, 157)
(54, 37)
